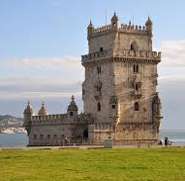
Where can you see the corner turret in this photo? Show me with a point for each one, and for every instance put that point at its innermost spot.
(28, 112)
(90, 29)
(148, 25)
(114, 20)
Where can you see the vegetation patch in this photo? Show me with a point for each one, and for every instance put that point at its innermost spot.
(136, 164)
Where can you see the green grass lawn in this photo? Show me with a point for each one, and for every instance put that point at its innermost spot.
(156, 164)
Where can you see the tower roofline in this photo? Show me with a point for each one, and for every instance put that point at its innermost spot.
(125, 28)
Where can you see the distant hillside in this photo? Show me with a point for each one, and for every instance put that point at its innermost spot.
(7, 121)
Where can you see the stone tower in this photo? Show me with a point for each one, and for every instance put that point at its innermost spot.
(28, 112)
(119, 90)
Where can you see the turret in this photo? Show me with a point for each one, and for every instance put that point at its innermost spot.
(148, 25)
(72, 109)
(42, 111)
(90, 29)
(114, 21)
(28, 112)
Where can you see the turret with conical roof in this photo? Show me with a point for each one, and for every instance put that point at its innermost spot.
(90, 28)
(114, 20)
(42, 111)
(148, 25)
(72, 108)
(28, 112)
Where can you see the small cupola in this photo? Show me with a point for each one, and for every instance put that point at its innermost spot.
(72, 108)
(42, 111)
(114, 20)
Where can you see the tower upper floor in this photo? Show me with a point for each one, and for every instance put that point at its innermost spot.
(120, 40)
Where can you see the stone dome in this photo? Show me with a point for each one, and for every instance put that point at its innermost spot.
(72, 106)
(42, 111)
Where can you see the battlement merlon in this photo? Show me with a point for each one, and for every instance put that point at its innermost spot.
(49, 117)
(124, 28)
(127, 55)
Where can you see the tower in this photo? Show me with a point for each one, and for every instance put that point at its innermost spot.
(119, 90)
(28, 112)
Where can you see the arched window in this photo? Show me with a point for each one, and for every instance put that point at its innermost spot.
(99, 106)
(99, 69)
(136, 106)
(41, 136)
(136, 68)
(49, 136)
(71, 113)
(113, 106)
(55, 136)
(85, 134)
(101, 49)
(133, 46)
(34, 136)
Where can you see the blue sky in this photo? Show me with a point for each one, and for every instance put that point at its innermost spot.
(41, 42)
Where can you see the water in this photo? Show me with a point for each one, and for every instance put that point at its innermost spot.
(176, 136)
(21, 140)
(13, 140)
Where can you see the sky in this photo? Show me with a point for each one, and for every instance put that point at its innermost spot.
(41, 43)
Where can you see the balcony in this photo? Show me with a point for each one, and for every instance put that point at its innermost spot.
(123, 54)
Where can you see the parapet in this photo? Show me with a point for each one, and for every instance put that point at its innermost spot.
(124, 54)
(132, 29)
(49, 117)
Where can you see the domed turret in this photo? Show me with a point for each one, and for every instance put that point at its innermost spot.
(114, 20)
(42, 111)
(72, 108)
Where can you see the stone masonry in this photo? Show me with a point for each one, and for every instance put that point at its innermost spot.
(119, 92)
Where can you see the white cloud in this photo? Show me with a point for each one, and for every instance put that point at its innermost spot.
(41, 77)
(40, 63)
(173, 53)
(21, 88)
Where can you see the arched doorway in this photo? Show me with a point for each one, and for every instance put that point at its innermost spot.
(85, 134)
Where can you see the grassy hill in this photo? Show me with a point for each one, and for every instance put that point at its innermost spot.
(129, 164)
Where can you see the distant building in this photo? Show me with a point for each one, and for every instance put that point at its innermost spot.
(119, 92)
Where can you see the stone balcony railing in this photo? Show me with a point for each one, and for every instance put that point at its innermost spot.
(124, 53)
(49, 117)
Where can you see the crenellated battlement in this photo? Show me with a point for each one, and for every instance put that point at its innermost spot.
(124, 28)
(116, 27)
(126, 54)
(132, 28)
(49, 117)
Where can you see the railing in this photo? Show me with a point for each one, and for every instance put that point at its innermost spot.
(96, 55)
(150, 55)
(49, 117)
